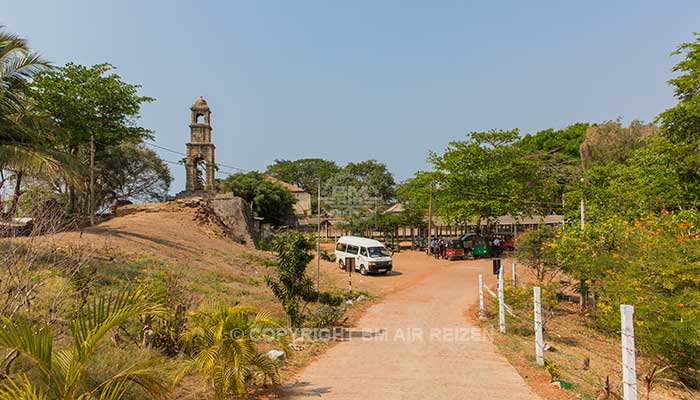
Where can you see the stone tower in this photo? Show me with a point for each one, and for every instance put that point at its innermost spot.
(200, 149)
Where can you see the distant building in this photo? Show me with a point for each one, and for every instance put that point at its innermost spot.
(397, 208)
(303, 205)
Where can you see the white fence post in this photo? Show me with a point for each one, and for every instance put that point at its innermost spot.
(539, 342)
(513, 273)
(629, 369)
(501, 303)
(481, 296)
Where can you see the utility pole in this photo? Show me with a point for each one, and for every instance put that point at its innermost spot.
(91, 204)
(430, 218)
(584, 292)
(583, 208)
(318, 241)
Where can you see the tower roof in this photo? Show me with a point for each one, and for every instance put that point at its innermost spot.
(200, 104)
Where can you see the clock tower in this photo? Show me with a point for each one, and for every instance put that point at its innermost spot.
(200, 150)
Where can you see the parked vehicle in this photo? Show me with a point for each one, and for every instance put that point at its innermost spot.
(419, 244)
(454, 250)
(475, 245)
(370, 255)
(507, 240)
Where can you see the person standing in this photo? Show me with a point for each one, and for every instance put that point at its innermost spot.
(497, 247)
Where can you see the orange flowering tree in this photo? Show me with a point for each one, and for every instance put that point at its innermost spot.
(652, 263)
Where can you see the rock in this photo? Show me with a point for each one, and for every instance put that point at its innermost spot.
(349, 302)
(276, 355)
(548, 347)
(556, 384)
(361, 297)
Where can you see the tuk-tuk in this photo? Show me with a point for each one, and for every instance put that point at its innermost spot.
(454, 249)
(507, 240)
(475, 245)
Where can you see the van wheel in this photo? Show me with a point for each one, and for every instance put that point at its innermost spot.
(341, 264)
(363, 270)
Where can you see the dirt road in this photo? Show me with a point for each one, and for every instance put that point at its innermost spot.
(417, 343)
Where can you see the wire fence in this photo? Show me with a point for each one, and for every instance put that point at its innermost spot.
(598, 369)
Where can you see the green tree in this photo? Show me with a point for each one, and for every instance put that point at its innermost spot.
(681, 123)
(370, 174)
(564, 141)
(63, 373)
(304, 172)
(224, 348)
(270, 201)
(129, 171)
(414, 192)
(650, 173)
(24, 143)
(487, 176)
(85, 103)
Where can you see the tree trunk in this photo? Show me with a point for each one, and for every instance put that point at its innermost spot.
(15, 198)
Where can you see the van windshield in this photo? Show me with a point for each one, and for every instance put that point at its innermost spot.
(378, 252)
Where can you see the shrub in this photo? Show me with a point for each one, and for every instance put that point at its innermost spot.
(326, 256)
(652, 263)
(292, 287)
(163, 331)
(521, 301)
(224, 345)
(536, 250)
(64, 373)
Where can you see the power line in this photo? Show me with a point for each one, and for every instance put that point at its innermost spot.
(183, 154)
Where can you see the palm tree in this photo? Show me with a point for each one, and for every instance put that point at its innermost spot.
(63, 372)
(22, 149)
(223, 346)
(17, 62)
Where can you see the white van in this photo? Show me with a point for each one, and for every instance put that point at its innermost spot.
(370, 255)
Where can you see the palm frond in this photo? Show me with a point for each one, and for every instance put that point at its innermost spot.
(105, 313)
(17, 61)
(36, 344)
(21, 389)
(148, 374)
(37, 161)
(20, 65)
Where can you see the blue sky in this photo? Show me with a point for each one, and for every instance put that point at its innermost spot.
(355, 80)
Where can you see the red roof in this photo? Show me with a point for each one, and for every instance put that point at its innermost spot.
(293, 188)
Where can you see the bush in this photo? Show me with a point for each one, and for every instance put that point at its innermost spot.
(536, 250)
(163, 331)
(224, 348)
(652, 263)
(292, 287)
(326, 256)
